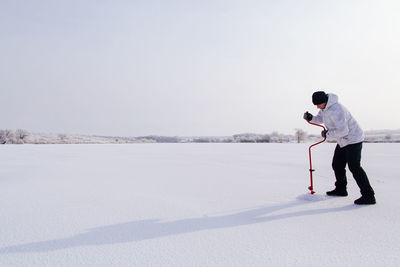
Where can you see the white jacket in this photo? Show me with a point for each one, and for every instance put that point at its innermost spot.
(341, 126)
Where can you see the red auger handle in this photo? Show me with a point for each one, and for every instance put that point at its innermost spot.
(320, 125)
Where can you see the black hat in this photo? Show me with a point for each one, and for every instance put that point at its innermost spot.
(319, 98)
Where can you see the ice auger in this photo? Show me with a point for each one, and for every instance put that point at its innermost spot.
(311, 187)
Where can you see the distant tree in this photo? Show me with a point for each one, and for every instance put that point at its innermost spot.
(21, 135)
(300, 135)
(201, 140)
(276, 137)
(7, 137)
(251, 138)
(265, 138)
(245, 138)
(63, 138)
(160, 139)
(275, 134)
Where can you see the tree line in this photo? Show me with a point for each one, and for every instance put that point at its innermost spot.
(13, 137)
(22, 136)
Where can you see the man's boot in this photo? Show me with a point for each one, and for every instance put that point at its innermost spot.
(365, 200)
(340, 192)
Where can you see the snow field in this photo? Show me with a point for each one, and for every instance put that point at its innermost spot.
(192, 205)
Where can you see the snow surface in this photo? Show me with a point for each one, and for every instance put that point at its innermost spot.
(192, 205)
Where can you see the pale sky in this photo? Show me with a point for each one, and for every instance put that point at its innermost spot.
(195, 67)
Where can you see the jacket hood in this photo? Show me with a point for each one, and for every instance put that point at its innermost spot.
(332, 99)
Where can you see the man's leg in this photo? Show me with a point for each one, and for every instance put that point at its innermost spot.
(353, 154)
(339, 164)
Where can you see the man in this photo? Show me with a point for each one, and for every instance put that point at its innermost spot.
(343, 128)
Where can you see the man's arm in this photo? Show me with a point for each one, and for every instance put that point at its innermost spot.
(317, 118)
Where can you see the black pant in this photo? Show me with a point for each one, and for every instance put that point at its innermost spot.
(351, 155)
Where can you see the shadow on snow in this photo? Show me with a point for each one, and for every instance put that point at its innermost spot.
(152, 229)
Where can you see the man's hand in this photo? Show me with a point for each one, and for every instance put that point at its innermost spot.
(307, 116)
(323, 133)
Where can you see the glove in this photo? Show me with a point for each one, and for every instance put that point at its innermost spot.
(307, 116)
(323, 133)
